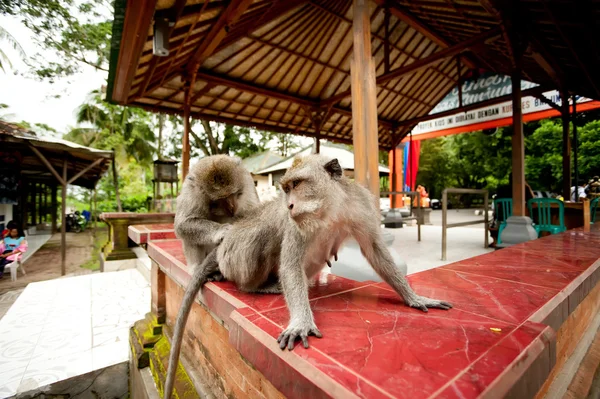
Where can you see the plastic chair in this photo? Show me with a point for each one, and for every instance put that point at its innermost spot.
(593, 208)
(504, 204)
(544, 215)
(14, 266)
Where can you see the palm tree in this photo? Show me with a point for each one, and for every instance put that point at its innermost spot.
(7, 38)
(128, 130)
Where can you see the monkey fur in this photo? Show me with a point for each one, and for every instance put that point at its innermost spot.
(217, 191)
(280, 245)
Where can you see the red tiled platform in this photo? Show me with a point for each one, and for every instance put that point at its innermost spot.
(498, 337)
(142, 233)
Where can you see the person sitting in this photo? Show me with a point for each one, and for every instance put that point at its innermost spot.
(12, 245)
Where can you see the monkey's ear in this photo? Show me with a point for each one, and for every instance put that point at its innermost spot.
(333, 168)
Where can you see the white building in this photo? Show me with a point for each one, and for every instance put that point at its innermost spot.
(269, 176)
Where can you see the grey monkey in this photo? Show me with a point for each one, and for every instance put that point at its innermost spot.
(282, 244)
(217, 191)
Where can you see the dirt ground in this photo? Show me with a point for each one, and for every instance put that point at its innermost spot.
(45, 263)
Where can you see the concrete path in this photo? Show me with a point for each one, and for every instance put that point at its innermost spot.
(69, 326)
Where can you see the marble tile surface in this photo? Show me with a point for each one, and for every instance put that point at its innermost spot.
(65, 327)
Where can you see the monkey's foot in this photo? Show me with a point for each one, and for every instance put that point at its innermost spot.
(298, 330)
(422, 303)
(217, 276)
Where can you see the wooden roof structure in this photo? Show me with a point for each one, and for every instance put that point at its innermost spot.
(284, 65)
(86, 165)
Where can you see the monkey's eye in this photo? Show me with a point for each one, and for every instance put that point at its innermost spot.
(286, 189)
(239, 194)
(295, 183)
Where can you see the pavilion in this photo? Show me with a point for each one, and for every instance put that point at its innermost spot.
(351, 71)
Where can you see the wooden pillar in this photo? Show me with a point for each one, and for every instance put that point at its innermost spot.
(116, 182)
(185, 165)
(63, 224)
(575, 149)
(24, 195)
(41, 203)
(54, 206)
(566, 147)
(518, 148)
(45, 204)
(317, 145)
(396, 160)
(33, 203)
(364, 102)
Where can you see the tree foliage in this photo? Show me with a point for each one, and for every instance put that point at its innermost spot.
(76, 32)
(6, 39)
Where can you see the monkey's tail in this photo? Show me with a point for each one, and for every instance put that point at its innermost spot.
(200, 276)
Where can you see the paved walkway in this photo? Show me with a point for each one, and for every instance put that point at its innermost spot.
(44, 264)
(463, 243)
(65, 327)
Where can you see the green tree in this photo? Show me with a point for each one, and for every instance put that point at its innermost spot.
(589, 150)
(127, 130)
(77, 32)
(543, 157)
(7, 39)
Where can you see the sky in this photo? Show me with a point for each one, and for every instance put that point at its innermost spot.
(34, 101)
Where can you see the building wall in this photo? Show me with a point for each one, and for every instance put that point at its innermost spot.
(6, 214)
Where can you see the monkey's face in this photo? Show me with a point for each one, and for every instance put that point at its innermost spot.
(226, 207)
(307, 185)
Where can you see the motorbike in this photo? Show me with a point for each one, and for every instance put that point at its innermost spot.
(75, 222)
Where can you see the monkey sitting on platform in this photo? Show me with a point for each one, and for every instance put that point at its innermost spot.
(217, 191)
(282, 244)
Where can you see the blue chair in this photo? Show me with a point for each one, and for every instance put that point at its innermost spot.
(503, 208)
(543, 222)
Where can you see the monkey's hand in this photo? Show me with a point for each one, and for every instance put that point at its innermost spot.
(422, 303)
(220, 234)
(299, 329)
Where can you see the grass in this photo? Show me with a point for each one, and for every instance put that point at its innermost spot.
(99, 241)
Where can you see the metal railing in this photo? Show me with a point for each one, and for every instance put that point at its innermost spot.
(445, 224)
(418, 214)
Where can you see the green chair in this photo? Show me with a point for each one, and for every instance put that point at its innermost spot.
(593, 207)
(543, 222)
(503, 208)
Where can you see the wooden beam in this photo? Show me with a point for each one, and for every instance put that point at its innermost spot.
(63, 221)
(138, 19)
(250, 88)
(547, 101)
(277, 127)
(81, 172)
(218, 31)
(46, 163)
(424, 63)
(365, 131)
(174, 13)
(420, 27)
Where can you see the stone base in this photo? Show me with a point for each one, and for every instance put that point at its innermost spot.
(393, 219)
(352, 264)
(518, 229)
(120, 255)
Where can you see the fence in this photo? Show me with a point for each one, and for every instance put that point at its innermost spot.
(418, 214)
(445, 224)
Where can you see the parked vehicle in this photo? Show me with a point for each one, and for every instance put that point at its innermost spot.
(76, 222)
